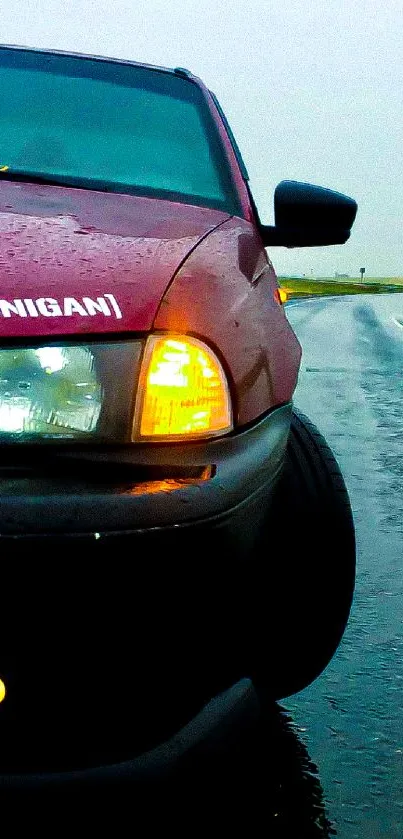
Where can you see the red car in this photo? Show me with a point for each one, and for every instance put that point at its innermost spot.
(172, 530)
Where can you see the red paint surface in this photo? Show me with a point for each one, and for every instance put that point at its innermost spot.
(225, 294)
(57, 242)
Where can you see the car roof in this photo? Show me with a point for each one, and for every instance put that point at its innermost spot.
(176, 71)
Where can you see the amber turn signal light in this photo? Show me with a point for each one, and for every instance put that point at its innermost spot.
(183, 391)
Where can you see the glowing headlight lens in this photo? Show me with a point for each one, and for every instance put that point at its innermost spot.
(183, 391)
(77, 392)
(49, 391)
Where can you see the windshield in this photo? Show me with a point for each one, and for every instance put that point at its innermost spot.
(109, 126)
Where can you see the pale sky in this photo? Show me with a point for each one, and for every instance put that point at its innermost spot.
(313, 91)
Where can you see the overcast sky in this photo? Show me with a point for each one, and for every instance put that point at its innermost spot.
(313, 91)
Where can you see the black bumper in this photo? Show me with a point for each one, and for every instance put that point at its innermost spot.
(96, 493)
(127, 603)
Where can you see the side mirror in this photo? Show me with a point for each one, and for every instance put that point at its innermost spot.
(309, 216)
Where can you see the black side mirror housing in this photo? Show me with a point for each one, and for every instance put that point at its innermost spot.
(308, 216)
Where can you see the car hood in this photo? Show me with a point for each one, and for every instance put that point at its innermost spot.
(74, 261)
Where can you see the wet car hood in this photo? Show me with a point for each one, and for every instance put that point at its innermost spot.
(76, 261)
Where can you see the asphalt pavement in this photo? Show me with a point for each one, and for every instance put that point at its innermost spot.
(351, 719)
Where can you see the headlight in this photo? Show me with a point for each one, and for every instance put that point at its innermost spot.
(49, 389)
(113, 393)
(183, 391)
(82, 392)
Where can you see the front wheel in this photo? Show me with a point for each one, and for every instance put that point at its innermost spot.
(305, 574)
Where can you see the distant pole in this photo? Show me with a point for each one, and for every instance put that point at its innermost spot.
(362, 272)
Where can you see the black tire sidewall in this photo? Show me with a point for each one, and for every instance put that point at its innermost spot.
(306, 572)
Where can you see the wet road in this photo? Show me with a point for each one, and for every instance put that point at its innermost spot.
(351, 718)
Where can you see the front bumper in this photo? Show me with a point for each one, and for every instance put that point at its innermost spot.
(98, 492)
(127, 589)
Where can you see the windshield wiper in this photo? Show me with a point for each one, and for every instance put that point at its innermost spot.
(34, 177)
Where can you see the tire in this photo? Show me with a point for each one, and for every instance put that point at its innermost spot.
(308, 560)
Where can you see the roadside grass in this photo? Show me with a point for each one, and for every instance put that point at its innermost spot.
(310, 287)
